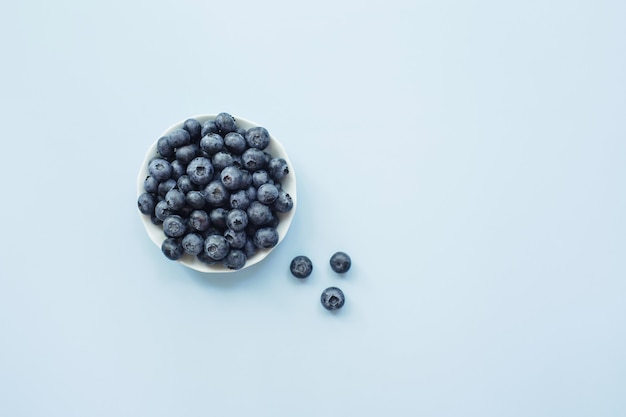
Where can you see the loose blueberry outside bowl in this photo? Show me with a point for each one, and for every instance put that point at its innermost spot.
(155, 232)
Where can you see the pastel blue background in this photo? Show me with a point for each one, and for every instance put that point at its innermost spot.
(469, 155)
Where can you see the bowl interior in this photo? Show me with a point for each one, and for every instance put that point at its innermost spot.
(155, 232)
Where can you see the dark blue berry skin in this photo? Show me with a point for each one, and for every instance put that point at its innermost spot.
(185, 154)
(257, 137)
(193, 243)
(237, 161)
(251, 192)
(162, 211)
(235, 143)
(146, 203)
(239, 200)
(199, 220)
(237, 219)
(212, 143)
(174, 226)
(225, 123)
(249, 248)
(340, 262)
(260, 177)
(216, 194)
(194, 128)
(253, 159)
(218, 217)
(236, 259)
(221, 160)
(151, 185)
(278, 168)
(236, 239)
(195, 199)
(175, 199)
(267, 193)
(216, 247)
(332, 298)
(301, 266)
(283, 203)
(178, 169)
(200, 171)
(165, 186)
(172, 249)
(164, 149)
(265, 238)
(160, 169)
(232, 177)
(184, 184)
(258, 213)
(204, 258)
(179, 137)
(209, 127)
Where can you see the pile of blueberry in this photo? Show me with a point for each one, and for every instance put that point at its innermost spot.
(332, 297)
(216, 191)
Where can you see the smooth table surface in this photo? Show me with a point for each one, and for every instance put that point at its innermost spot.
(469, 155)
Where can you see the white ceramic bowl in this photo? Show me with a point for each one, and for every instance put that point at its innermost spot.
(155, 232)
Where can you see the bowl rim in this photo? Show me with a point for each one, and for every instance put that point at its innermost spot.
(155, 232)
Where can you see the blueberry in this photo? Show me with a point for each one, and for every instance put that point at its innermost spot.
(236, 259)
(216, 247)
(175, 199)
(164, 148)
(247, 177)
(253, 159)
(260, 177)
(258, 137)
(172, 249)
(199, 220)
(235, 143)
(267, 193)
(265, 237)
(160, 169)
(212, 143)
(221, 160)
(151, 184)
(179, 137)
(165, 186)
(178, 169)
(218, 217)
(240, 200)
(232, 177)
(162, 211)
(249, 248)
(200, 170)
(216, 194)
(204, 258)
(301, 266)
(174, 226)
(194, 128)
(209, 127)
(237, 219)
(193, 243)
(251, 193)
(332, 298)
(185, 154)
(225, 123)
(258, 213)
(283, 202)
(184, 184)
(278, 168)
(340, 262)
(195, 199)
(146, 203)
(236, 239)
